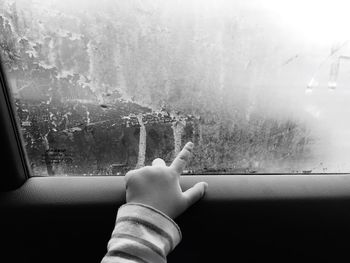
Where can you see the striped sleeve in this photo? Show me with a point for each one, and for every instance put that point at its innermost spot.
(142, 234)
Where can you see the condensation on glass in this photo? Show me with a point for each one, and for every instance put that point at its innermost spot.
(102, 87)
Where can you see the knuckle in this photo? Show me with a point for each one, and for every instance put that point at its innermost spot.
(147, 171)
(174, 175)
(129, 174)
(129, 177)
(148, 175)
(183, 157)
(188, 148)
(152, 171)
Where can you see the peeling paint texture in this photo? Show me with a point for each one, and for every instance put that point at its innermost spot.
(113, 85)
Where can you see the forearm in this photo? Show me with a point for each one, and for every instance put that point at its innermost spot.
(141, 234)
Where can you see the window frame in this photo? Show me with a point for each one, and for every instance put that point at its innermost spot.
(19, 189)
(13, 152)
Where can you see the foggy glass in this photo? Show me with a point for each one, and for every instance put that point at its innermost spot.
(102, 87)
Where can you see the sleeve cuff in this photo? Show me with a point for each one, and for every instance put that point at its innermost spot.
(154, 219)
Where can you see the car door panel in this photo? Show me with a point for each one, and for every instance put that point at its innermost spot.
(241, 219)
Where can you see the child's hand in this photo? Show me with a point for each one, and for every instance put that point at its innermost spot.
(158, 185)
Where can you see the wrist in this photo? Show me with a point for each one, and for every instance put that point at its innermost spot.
(153, 215)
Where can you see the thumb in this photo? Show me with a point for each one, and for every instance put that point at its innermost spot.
(195, 193)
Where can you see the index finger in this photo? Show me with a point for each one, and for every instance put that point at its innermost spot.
(182, 158)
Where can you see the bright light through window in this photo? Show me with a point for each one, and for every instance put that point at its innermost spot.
(322, 22)
(102, 87)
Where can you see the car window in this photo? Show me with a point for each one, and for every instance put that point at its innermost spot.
(102, 87)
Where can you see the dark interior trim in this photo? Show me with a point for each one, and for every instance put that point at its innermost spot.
(12, 152)
(288, 218)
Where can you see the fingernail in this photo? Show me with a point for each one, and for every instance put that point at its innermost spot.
(189, 144)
